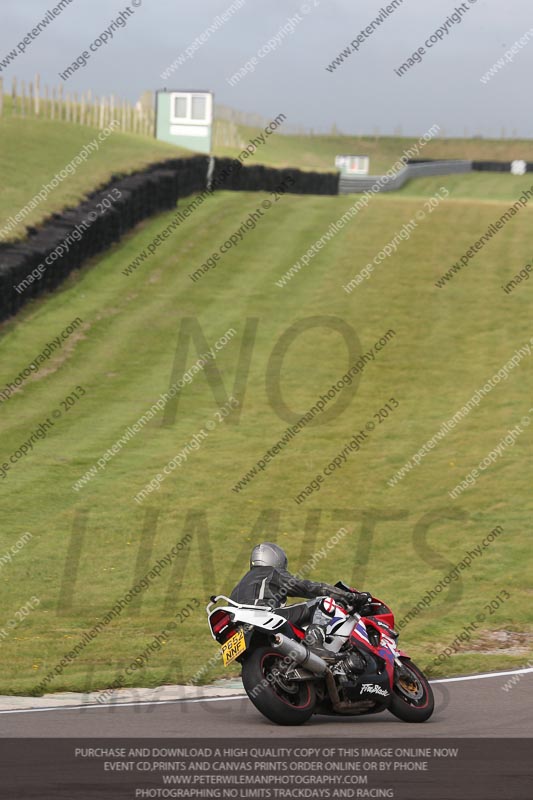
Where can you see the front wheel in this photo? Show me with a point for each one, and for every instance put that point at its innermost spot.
(284, 702)
(412, 699)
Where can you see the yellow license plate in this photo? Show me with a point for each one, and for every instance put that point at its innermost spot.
(233, 648)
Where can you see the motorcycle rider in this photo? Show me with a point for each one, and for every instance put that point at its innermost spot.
(268, 583)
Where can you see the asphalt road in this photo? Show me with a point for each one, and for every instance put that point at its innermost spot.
(464, 708)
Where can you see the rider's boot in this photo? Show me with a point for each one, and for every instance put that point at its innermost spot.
(315, 638)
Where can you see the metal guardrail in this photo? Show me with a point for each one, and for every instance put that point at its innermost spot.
(357, 185)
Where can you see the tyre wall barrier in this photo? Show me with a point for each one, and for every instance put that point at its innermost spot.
(65, 241)
(485, 166)
(231, 174)
(502, 166)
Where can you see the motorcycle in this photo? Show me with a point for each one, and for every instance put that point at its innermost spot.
(358, 670)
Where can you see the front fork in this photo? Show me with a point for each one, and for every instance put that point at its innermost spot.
(400, 665)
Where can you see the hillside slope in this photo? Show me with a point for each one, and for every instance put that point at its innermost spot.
(92, 540)
(318, 152)
(34, 150)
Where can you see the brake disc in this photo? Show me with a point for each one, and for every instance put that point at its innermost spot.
(284, 682)
(410, 687)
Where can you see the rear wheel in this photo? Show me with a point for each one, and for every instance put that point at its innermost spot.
(280, 700)
(412, 699)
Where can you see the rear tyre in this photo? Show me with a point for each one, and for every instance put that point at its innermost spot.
(412, 699)
(283, 702)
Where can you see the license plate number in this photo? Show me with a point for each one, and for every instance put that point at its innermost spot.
(233, 648)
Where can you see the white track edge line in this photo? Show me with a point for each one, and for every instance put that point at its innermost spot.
(232, 697)
(92, 706)
(484, 675)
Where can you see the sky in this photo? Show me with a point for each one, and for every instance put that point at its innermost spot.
(362, 95)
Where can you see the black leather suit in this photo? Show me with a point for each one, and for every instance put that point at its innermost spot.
(268, 586)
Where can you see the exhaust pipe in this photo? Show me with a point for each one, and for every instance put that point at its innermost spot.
(299, 653)
(302, 655)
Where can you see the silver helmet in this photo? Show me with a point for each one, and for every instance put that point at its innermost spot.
(268, 554)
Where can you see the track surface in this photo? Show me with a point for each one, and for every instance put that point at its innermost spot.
(465, 707)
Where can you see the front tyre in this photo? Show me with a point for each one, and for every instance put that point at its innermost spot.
(284, 702)
(412, 699)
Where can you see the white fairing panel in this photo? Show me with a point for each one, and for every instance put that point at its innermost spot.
(259, 616)
(339, 633)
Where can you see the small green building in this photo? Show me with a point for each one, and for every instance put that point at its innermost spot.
(184, 118)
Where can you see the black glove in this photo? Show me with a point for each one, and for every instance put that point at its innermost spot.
(353, 600)
(358, 600)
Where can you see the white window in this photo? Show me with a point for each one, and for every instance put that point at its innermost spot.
(198, 107)
(190, 108)
(180, 107)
